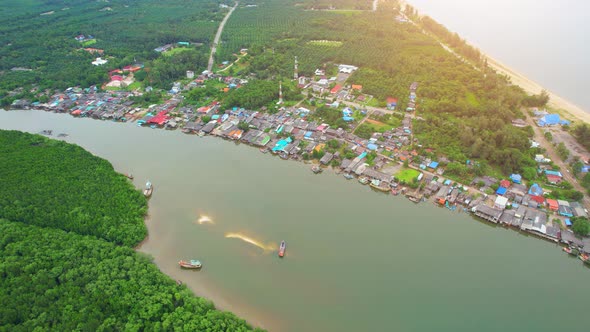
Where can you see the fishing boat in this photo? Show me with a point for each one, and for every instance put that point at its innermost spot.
(316, 169)
(585, 258)
(192, 264)
(571, 251)
(364, 180)
(129, 176)
(263, 150)
(282, 249)
(394, 192)
(149, 188)
(378, 185)
(348, 176)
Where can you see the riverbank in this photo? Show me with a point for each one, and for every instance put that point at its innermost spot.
(326, 222)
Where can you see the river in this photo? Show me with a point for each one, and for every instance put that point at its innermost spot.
(356, 260)
(546, 40)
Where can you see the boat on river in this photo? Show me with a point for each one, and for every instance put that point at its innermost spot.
(129, 176)
(364, 180)
(348, 176)
(282, 249)
(571, 251)
(192, 264)
(149, 188)
(316, 169)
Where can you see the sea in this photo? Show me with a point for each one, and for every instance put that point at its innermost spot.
(356, 259)
(546, 40)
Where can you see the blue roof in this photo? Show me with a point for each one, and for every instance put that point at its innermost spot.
(585, 169)
(501, 191)
(362, 155)
(372, 146)
(308, 134)
(556, 173)
(516, 178)
(422, 166)
(347, 118)
(536, 190)
(433, 164)
(568, 222)
(447, 182)
(282, 144)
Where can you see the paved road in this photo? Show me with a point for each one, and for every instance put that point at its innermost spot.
(552, 154)
(218, 36)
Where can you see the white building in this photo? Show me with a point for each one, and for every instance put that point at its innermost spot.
(190, 74)
(501, 202)
(346, 69)
(99, 62)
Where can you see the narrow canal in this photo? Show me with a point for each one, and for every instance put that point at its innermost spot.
(356, 260)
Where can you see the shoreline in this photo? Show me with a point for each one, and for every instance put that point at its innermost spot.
(519, 79)
(533, 87)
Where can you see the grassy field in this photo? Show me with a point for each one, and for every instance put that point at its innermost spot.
(330, 43)
(407, 175)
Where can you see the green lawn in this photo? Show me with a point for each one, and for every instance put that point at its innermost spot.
(89, 42)
(407, 175)
(176, 50)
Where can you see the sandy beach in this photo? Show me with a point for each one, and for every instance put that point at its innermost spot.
(533, 87)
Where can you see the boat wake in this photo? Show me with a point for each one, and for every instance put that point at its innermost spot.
(246, 239)
(204, 220)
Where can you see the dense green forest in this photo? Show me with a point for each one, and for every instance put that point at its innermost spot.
(53, 280)
(55, 184)
(126, 31)
(63, 215)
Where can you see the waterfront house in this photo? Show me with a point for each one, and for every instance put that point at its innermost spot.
(487, 213)
(327, 158)
(507, 217)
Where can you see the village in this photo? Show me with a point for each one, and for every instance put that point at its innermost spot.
(387, 161)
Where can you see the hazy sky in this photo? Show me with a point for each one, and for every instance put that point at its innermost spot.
(544, 39)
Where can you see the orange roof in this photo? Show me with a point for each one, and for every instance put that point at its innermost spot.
(357, 87)
(319, 147)
(225, 89)
(553, 205)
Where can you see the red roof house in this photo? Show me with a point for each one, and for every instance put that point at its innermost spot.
(159, 119)
(553, 205)
(505, 183)
(553, 179)
(538, 199)
(336, 89)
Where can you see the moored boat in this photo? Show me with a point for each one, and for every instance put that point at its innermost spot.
(149, 188)
(263, 150)
(316, 169)
(364, 180)
(348, 176)
(129, 176)
(585, 258)
(192, 264)
(394, 192)
(282, 249)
